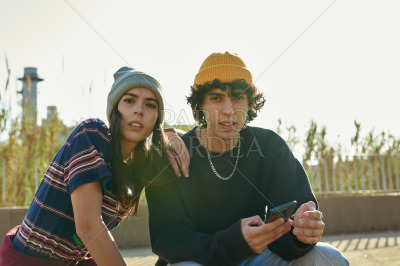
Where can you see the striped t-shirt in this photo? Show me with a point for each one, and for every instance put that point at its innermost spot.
(48, 230)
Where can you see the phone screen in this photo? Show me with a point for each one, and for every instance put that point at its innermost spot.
(284, 211)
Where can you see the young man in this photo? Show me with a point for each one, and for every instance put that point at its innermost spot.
(215, 217)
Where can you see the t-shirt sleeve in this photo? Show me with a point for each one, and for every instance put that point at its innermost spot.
(87, 156)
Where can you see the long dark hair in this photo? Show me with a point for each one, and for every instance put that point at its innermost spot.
(132, 175)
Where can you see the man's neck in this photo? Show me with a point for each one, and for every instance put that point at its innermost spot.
(217, 144)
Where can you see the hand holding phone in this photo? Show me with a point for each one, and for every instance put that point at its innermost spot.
(284, 211)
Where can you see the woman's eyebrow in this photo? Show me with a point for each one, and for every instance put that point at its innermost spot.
(135, 96)
(131, 94)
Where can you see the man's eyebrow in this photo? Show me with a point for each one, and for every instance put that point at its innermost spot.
(215, 93)
(135, 96)
(238, 90)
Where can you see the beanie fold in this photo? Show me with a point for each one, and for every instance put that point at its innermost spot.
(225, 67)
(224, 73)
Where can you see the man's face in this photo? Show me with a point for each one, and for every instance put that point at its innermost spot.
(225, 115)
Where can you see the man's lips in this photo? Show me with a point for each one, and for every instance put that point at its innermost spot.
(227, 123)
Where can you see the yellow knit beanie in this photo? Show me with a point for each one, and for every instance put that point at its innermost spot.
(225, 67)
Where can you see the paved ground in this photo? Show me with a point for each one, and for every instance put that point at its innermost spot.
(368, 249)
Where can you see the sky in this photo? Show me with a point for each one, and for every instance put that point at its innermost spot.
(328, 61)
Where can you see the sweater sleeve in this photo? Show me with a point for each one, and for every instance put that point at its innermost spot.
(175, 238)
(289, 182)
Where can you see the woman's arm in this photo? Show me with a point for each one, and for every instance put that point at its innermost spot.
(87, 204)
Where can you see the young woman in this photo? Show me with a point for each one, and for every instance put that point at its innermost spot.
(95, 181)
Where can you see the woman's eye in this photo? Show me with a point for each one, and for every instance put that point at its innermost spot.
(216, 98)
(151, 105)
(129, 100)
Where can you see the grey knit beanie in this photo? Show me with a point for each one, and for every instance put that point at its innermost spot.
(127, 78)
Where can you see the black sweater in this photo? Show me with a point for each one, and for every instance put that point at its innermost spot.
(198, 218)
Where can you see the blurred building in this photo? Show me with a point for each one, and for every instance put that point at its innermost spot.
(51, 112)
(29, 93)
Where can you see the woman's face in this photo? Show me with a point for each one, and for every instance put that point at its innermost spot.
(139, 111)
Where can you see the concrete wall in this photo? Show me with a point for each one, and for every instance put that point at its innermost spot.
(360, 213)
(341, 215)
(132, 232)
(10, 217)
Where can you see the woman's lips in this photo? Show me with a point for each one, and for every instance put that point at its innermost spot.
(136, 125)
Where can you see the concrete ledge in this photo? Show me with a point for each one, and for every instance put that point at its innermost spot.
(11, 217)
(342, 215)
(133, 231)
(360, 213)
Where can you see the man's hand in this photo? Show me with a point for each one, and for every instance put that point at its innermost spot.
(308, 224)
(180, 157)
(259, 235)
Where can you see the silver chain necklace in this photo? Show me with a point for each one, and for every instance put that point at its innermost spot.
(212, 165)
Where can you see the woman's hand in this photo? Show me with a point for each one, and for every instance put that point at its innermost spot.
(179, 155)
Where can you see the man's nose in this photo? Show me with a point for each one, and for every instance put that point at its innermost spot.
(228, 107)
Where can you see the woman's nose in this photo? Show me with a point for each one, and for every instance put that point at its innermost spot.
(138, 109)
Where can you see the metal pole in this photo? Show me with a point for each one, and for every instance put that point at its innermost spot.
(348, 174)
(383, 173)
(355, 175)
(3, 196)
(362, 174)
(340, 174)
(333, 175)
(389, 165)
(396, 170)
(326, 175)
(370, 174)
(319, 178)
(310, 169)
(377, 179)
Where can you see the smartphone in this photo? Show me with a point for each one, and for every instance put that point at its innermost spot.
(284, 211)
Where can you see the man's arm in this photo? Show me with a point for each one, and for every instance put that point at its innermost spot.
(290, 182)
(175, 237)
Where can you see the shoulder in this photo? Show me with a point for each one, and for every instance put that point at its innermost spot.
(189, 135)
(92, 127)
(89, 133)
(263, 135)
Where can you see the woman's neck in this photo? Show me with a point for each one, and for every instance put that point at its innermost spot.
(127, 150)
